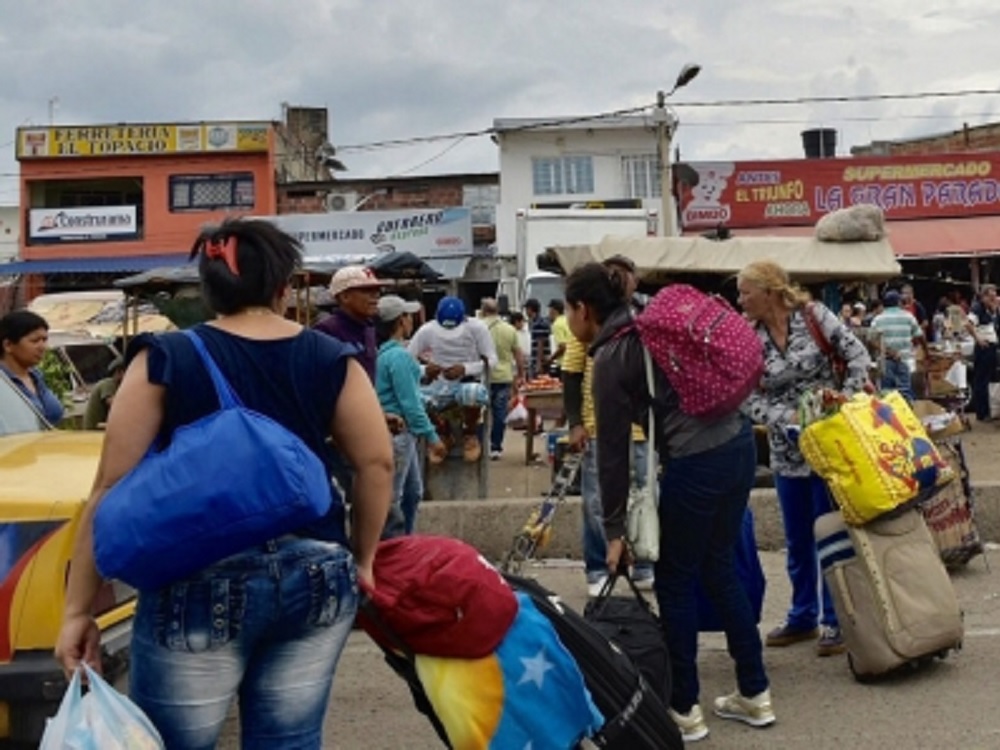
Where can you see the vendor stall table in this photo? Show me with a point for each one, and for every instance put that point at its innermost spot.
(547, 405)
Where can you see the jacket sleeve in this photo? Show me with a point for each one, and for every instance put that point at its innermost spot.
(618, 376)
(848, 346)
(404, 374)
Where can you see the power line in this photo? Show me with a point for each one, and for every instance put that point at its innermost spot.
(839, 99)
(561, 121)
(534, 125)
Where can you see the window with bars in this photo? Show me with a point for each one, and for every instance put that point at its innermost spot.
(482, 200)
(641, 176)
(565, 175)
(211, 192)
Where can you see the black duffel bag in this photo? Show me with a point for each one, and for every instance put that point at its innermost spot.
(635, 715)
(629, 622)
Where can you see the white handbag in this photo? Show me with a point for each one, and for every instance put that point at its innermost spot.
(643, 519)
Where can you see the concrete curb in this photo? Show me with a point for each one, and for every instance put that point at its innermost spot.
(490, 525)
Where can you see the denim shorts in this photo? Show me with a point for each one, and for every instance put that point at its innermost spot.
(267, 625)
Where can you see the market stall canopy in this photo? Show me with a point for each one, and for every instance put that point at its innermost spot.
(921, 239)
(99, 315)
(806, 259)
(403, 265)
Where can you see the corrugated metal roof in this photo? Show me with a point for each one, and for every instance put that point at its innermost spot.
(94, 265)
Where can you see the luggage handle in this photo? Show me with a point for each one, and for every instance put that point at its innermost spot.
(605, 594)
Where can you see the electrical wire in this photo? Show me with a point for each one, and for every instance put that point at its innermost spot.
(428, 161)
(562, 121)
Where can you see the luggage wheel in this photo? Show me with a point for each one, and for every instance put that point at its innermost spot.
(864, 679)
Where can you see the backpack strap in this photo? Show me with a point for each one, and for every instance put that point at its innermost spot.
(837, 362)
(225, 393)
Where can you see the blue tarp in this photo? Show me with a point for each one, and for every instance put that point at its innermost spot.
(94, 265)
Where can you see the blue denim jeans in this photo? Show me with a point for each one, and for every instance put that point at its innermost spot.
(803, 500)
(595, 546)
(499, 398)
(407, 486)
(702, 501)
(267, 626)
(896, 376)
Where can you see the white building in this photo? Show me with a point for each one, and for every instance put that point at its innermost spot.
(10, 232)
(573, 161)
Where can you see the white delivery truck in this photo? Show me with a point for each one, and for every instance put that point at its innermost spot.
(542, 228)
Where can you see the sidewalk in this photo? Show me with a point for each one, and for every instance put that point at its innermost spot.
(951, 704)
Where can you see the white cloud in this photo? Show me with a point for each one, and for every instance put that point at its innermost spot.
(396, 69)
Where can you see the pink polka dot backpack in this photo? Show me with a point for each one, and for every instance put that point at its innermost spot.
(709, 352)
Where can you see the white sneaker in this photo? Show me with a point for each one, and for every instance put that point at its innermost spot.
(692, 724)
(495, 455)
(645, 583)
(755, 711)
(594, 589)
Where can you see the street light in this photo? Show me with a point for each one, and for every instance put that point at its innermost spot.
(664, 132)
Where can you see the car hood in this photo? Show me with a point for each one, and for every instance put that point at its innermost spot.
(47, 475)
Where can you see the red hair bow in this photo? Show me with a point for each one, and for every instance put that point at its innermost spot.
(225, 249)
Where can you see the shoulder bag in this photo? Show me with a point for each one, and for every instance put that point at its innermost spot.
(226, 482)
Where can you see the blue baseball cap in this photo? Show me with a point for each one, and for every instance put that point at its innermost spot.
(450, 312)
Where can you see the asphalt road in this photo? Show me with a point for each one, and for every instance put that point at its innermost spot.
(950, 704)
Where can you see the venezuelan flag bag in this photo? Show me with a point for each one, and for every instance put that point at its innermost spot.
(874, 455)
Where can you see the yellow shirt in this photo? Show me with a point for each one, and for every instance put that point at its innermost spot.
(575, 360)
(505, 340)
(561, 332)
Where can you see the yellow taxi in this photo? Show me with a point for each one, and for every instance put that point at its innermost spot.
(45, 478)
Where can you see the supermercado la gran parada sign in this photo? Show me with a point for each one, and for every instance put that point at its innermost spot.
(153, 139)
(773, 193)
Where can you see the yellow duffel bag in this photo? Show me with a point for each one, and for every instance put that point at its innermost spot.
(874, 455)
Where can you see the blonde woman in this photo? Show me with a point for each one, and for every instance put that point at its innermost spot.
(794, 364)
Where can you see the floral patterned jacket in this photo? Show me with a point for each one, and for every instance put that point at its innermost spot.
(801, 367)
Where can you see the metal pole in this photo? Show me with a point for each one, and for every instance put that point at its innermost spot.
(662, 119)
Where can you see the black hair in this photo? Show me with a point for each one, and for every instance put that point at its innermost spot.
(598, 287)
(384, 329)
(516, 317)
(266, 257)
(14, 326)
(557, 305)
(534, 305)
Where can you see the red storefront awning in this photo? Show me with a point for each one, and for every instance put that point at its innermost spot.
(918, 238)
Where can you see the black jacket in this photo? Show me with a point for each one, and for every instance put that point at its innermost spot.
(622, 397)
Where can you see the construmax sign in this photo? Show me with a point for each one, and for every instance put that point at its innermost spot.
(97, 222)
(425, 233)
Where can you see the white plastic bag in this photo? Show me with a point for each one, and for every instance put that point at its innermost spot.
(642, 522)
(518, 415)
(103, 719)
(643, 525)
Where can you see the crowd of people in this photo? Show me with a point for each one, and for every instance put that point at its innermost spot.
(268, 625)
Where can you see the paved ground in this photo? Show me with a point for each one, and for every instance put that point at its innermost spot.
(951, 704)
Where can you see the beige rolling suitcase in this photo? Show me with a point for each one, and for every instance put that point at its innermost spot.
(893, 596)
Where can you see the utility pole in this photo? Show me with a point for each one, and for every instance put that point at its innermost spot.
(662, 119)
(664, 133)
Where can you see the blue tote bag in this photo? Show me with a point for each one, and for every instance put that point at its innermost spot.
(226, 482)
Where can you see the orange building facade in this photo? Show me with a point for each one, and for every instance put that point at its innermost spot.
(124, 198)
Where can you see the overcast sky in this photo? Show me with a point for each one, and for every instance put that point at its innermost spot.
(388, 69)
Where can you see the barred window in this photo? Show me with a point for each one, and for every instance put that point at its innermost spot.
(482, 201)
(566, 175)
(641, 176)
(211, 192)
